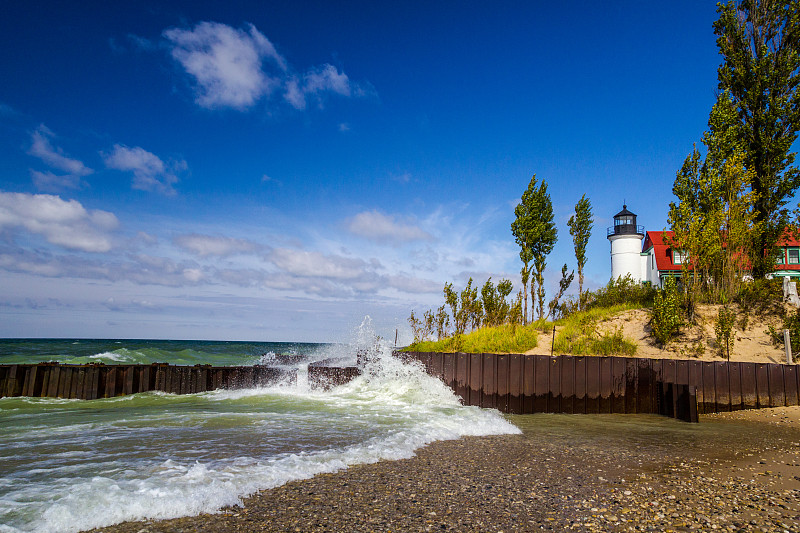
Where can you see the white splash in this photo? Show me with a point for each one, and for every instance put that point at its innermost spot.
(388, 412)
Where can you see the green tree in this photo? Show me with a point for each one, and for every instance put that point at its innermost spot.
(760, 44)
(519, 228)
(580, 227)
(416, 327)
(442, 323)
(525, 275)
(544, 239)
(535, 233)
(465, 307)
(563, 285)
(713, 219)
(495, 305)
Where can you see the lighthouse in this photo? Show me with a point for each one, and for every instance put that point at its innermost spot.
(626, 246)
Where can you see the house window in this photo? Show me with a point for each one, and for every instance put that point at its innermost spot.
(678, 257)
(780, 258)
(794, 256)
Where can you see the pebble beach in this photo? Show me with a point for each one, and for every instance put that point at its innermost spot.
(733, 472)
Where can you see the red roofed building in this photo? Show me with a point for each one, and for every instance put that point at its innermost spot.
(658, 260)
(788, 261)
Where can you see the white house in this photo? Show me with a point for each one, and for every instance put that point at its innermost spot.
(648, 258)
(651, 261)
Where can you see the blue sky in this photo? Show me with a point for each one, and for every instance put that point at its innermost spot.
(277, 171)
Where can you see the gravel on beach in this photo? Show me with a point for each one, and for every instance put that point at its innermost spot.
(733, 472)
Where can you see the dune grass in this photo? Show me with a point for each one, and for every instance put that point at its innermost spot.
(499, 339)
(578, 334)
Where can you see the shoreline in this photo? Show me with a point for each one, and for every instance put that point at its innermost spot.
(735, 471)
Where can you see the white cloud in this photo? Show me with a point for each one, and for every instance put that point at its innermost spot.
(237, 67)
(381, 228)
(150, 173)
(63, 223)
(409, 284)
(315, 264)
(47, 181)
(316, 81)
(207, 245)
(137, 269)
(42, 148)
(226, 63)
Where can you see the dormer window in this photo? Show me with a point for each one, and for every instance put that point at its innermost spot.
(794, 256)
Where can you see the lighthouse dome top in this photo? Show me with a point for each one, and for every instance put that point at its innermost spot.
(625, 224)
(624, 213)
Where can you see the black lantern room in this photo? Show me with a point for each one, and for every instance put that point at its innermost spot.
(625, 224)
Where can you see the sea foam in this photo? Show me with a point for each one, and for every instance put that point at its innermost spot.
(210, 450)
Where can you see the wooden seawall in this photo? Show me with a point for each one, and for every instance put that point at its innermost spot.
(89, 382)
(516, 383)
(511, 383)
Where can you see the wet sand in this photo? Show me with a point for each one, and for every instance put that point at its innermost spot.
(732, 472)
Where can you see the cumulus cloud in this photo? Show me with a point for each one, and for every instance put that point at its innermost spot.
(63, 223)
(207, 245)
(226, 63)
(381, 228)
(150, 173)
(237, 67)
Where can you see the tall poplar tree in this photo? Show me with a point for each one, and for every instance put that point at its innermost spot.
(536, 234)
(580, 227)
(760, 43)
(521, 235)
(713, 219)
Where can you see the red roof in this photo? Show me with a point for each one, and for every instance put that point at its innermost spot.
(662, 251)
(789, 241)
(664, 255)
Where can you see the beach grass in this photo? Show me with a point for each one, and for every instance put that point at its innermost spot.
(578, 333)
(507, 338)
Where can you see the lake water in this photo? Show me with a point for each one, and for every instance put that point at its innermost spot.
(69, 465)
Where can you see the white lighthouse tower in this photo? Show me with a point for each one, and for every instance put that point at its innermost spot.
(626, 246)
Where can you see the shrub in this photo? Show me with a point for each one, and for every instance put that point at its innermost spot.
(791, 321)
(761, 296)
(578, 334)
(666, 320)
(723, 327)
(617, 292)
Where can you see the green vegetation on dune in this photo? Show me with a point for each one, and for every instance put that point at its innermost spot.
(578, 334)
(507, 338)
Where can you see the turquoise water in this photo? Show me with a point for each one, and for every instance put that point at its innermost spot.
(68, 465)
(217, 353)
